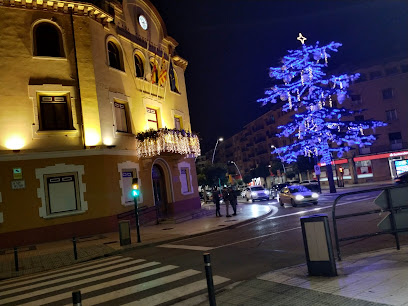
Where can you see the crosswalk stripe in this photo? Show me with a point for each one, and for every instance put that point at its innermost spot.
(77, 282)
(84, 272)
(105, 285)
(25, 277)
(138, 288)
(73, 270)
(178, 292)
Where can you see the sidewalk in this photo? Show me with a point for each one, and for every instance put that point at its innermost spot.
(47, 256)
(374, 278)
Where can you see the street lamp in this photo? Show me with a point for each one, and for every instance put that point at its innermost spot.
(215, 148)
(283, 165)
(231, 161)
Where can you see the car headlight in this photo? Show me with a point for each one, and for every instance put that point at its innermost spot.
(315, 195)
(253, 194)
(266, 191)
(299, 197)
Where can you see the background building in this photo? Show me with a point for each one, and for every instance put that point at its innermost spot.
(380, 94)
(80, 86)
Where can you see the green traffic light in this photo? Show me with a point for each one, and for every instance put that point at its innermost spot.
(135, 192)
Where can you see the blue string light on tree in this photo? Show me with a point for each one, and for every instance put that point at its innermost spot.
(321, 128)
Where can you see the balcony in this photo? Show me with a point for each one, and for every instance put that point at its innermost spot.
(154, 142)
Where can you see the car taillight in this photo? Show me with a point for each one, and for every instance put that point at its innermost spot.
(398, 180)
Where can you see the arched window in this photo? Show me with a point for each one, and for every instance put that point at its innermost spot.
(47, 40)
(139, 66)
(174, 86)
(115, 56)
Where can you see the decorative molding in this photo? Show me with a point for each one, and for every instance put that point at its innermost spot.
(78, 8)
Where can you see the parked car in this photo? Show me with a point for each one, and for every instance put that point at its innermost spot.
(297, 194)
(256, 193)
(276, 188)
(402, 178)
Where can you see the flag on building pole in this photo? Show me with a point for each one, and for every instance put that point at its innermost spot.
(154, 72)
(163, 72)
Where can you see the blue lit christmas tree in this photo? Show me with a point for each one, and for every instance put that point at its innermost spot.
(318, 125)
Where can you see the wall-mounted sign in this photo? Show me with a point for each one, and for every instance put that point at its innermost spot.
(18, 184)
(17, 173)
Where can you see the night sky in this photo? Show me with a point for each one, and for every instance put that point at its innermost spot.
(231, 44)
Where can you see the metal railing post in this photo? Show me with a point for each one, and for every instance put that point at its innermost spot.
(75, 248)
(15, 258)
(210, 282)
(76, 298)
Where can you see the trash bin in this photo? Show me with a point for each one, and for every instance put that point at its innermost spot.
(318, 245)
(124, 232)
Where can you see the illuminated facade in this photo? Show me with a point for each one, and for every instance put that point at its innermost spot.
(380, 94)
(81, 85)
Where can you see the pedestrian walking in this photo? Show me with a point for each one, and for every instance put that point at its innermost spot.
(226, 197)
(216, 200)
(233, 200)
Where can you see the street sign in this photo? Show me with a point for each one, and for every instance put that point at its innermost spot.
(317, 169)
(399, 198)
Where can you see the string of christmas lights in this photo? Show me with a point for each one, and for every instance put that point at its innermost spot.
(154, 142)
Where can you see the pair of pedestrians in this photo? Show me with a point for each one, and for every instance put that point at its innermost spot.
(229, 198)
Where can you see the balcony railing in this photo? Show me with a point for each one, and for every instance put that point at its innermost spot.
(154, 142)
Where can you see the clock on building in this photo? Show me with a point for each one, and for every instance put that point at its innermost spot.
(143, 22)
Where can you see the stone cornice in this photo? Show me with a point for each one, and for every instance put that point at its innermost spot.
(78, 8)
(181, 62)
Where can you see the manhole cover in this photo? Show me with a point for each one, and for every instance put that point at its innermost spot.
(167, 228)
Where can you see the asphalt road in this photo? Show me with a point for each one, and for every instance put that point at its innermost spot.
(272, 242)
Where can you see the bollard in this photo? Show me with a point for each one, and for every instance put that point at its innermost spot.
(76, 298)
(210, 282)
(15, 259)
(75, 248)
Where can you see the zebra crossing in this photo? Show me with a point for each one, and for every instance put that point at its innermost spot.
(111, 281)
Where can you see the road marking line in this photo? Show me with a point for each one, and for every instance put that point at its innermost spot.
(84, 272)
(306, 211)
(76, 283)
(253, 238)
(178, 292)
(138, 288)
(185, 247)
(53, 272)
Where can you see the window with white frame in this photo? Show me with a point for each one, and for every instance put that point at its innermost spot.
(177, 123)
(54, 113)
(387, 93)
(185, 180)
(127, 177)
(152, 118)
(391, 114)
(47, 40)
(121, 117)
(62, 193)
(61, 190)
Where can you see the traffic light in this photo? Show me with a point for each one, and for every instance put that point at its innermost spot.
(341, 170)
(135, 187)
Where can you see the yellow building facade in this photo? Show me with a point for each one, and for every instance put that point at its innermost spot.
(92, 97)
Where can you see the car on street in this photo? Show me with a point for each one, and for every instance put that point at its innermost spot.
(313, 185)
(402, 178)
(256, 193)
(297, 194)
(276, 188)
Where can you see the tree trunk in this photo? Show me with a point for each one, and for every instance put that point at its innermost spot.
(329, 171)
